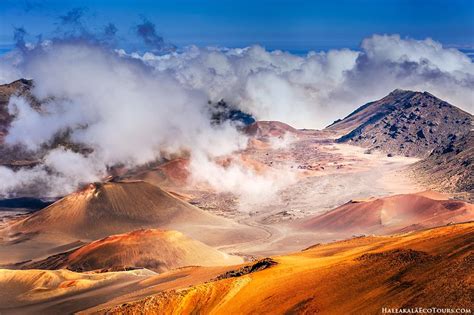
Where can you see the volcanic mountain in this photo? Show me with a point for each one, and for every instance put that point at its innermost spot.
(16, 156)
(20, 87)
(157, 250)
(450, 167)
(104, 209)
(404, 123)
(390, 214)
(265, 129)
(170, 174)
(356, 276)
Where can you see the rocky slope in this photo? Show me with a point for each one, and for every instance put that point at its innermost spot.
(404, 123)
(450, 167)
(222, 111)
(20, 87)
(15, 156)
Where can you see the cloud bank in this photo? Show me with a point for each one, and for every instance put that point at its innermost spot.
(133, 108)
(123, 110)
(312, 91)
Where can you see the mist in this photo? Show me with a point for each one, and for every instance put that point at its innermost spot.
(124, 111)
(132, 108)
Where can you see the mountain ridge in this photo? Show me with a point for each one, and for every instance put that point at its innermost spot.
(404, 123)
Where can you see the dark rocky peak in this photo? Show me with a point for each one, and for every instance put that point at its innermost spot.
(223, 111)
(405, 123)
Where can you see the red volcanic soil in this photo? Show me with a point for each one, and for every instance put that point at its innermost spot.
(171, 174)
(262, 129)
(391, 214)
(176, 170)
(153, 249)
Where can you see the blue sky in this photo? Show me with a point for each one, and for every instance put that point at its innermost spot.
(289, 25)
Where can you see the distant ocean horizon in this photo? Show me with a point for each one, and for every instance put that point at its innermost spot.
(298, 52)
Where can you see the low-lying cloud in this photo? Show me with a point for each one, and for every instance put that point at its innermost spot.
(132, 108)
(123, 110)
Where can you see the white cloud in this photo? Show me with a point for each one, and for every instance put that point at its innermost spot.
(61, 172)
(251, 187)
(314, 90)
(134, 108)
(122, 109)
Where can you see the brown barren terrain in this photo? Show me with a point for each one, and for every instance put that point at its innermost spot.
(390, 214)
(100, 210)
(339, 221)
(361, 275)
(357, 276)
(152, 249)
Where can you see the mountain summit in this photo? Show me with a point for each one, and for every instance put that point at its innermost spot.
(404, 122)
